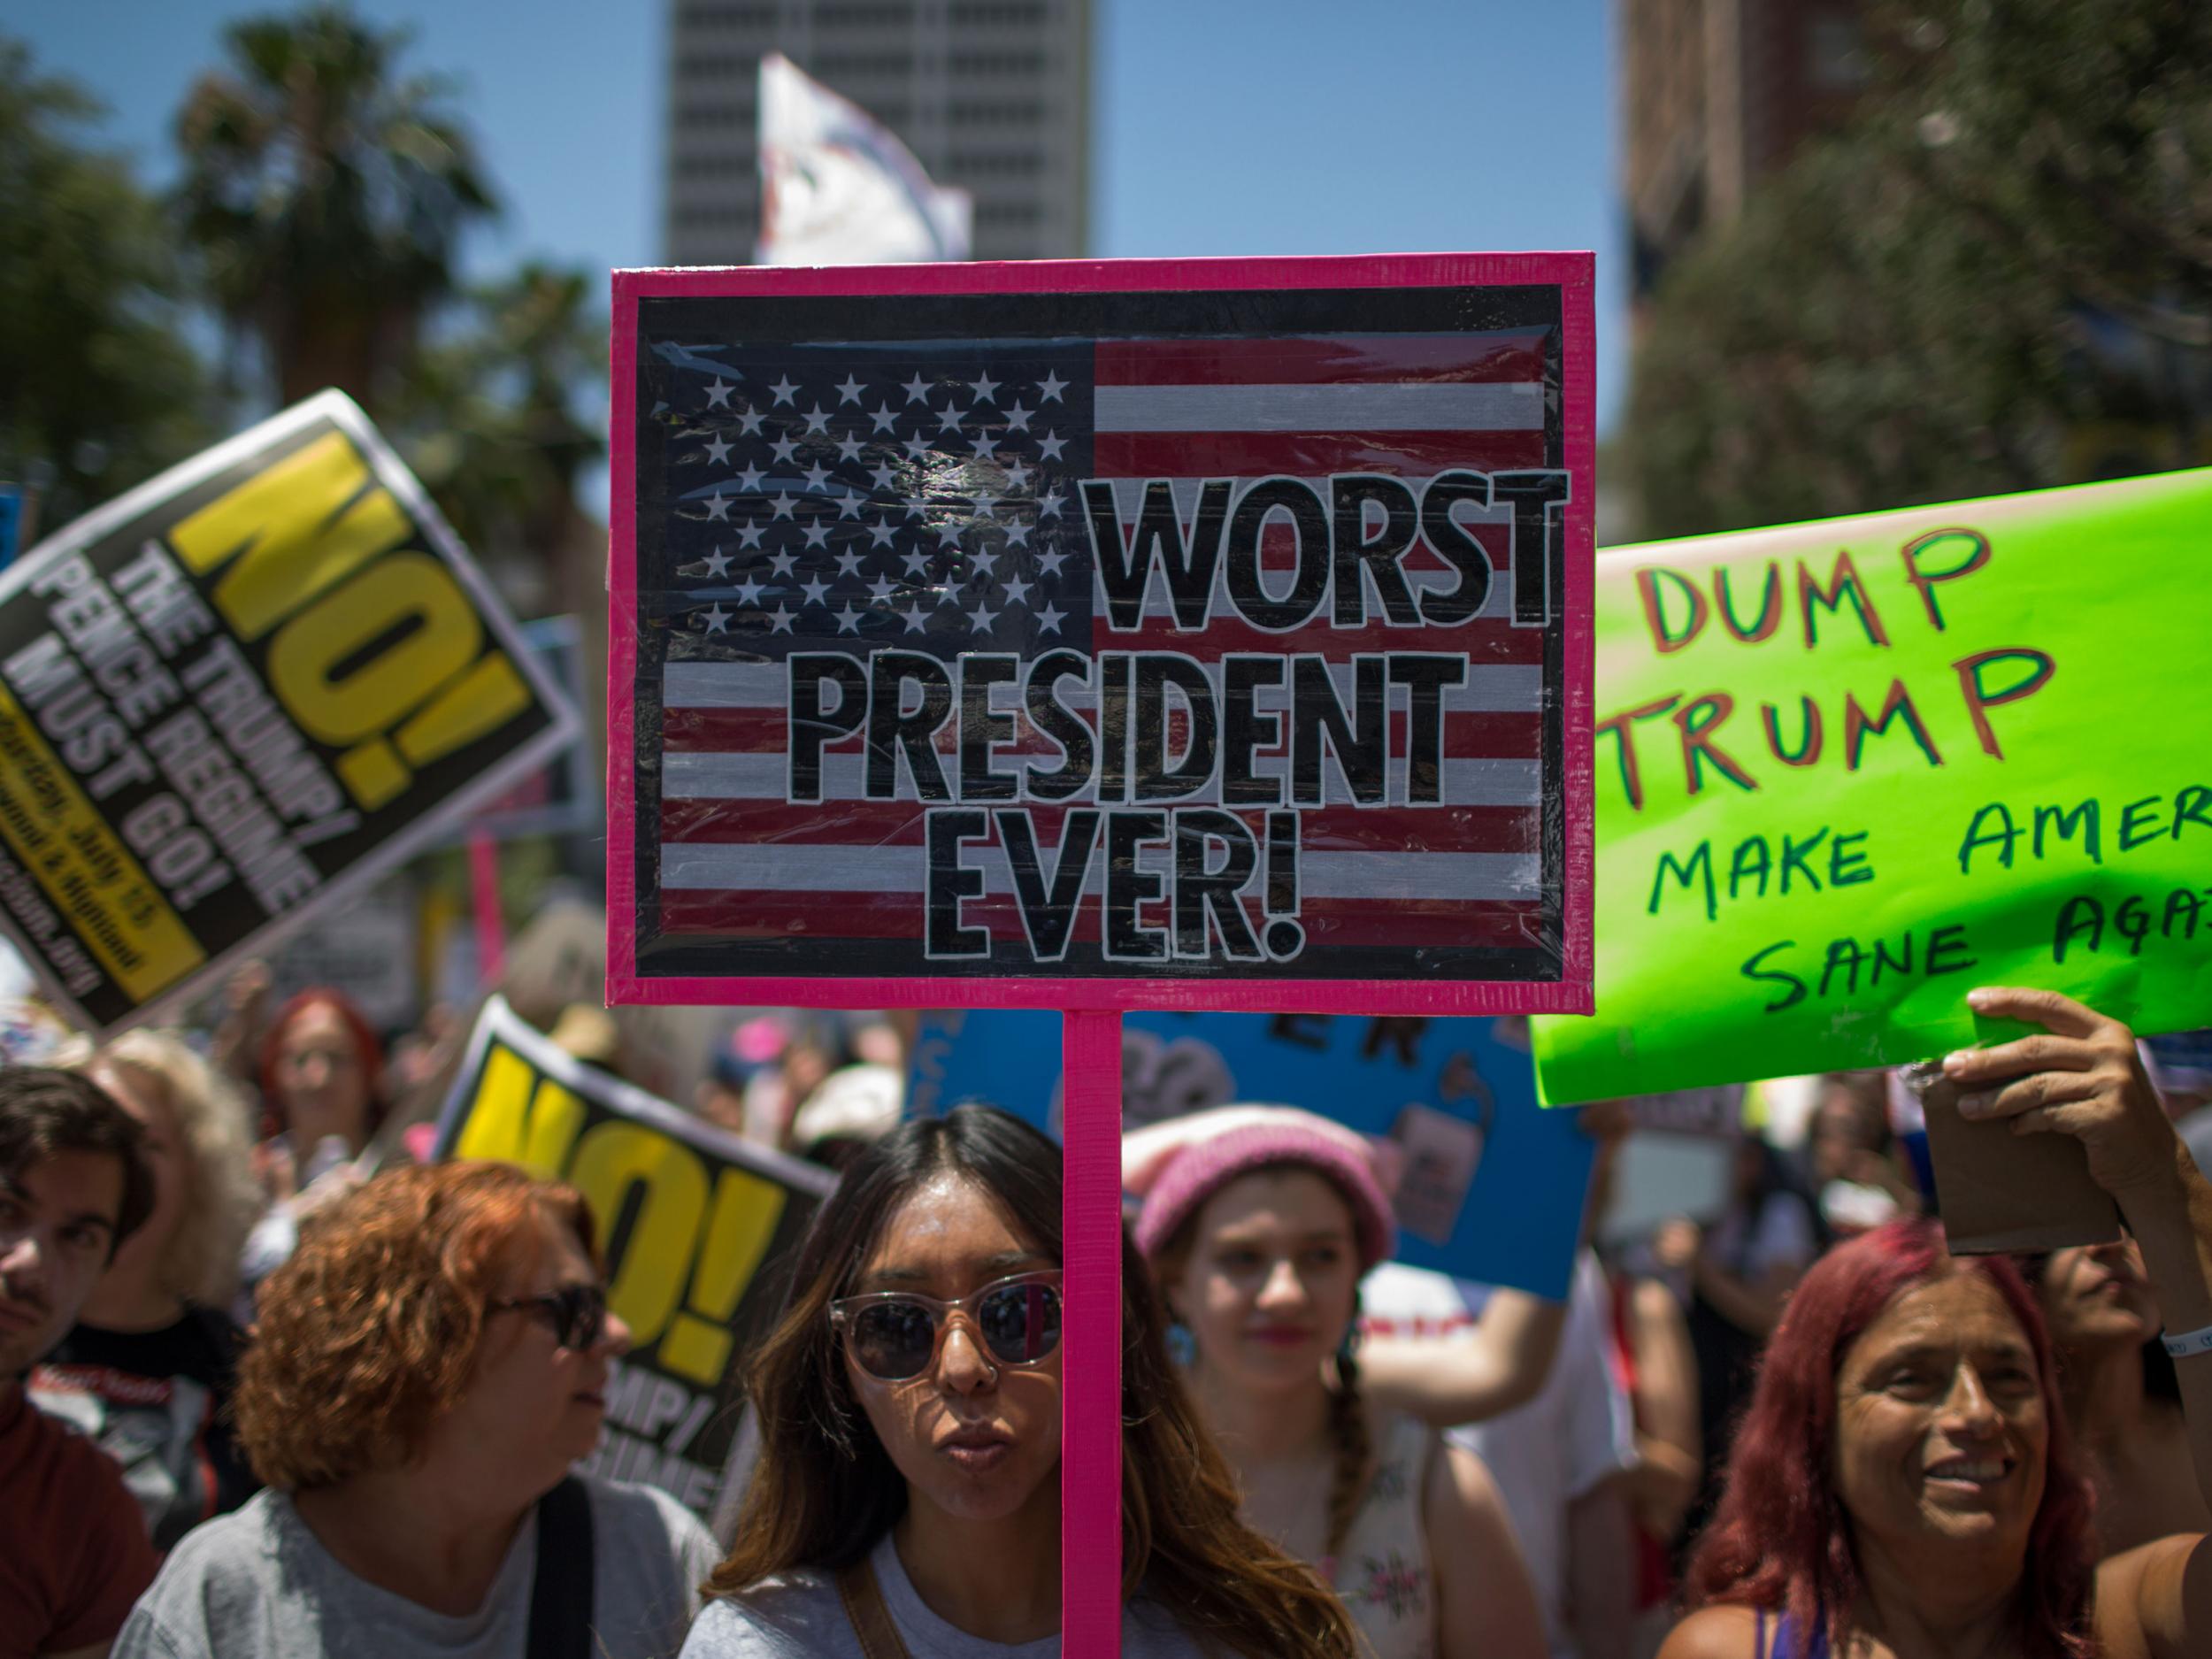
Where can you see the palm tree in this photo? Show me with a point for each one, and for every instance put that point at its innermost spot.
(501, 412)
(326, 198)
(503, 419)
(99, 386)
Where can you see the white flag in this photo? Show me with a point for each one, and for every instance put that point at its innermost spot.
(838, 188)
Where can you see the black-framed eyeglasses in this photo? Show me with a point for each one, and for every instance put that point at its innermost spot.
(895, 1335)
(578, 1313)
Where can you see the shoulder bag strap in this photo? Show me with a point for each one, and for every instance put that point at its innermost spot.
(863, 1597)
(561, 1591)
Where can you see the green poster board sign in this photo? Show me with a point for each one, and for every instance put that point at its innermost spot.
(1847, 771)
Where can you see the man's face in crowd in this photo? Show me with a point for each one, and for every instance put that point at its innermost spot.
(57, 1231)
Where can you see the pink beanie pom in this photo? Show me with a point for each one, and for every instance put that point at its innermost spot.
(1146, 1152)
(1178, 1165)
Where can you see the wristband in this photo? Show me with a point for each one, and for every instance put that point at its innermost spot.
(2188, 1343)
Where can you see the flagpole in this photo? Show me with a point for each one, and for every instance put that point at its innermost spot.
(1090, 1456)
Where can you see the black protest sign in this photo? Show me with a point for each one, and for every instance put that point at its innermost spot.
(560, 797)
(231, 698)
(693, 1224)
(1163, 632)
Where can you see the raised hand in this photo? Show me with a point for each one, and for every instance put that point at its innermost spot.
(2082, 1076)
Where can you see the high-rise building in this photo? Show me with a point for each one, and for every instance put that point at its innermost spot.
(1716, 96)
(993, 95)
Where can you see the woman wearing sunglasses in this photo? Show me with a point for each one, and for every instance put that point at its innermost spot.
(423, 1372)
(907, 1498)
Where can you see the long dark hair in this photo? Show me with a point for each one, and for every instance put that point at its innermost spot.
(1782, 1539)
(825, 1491)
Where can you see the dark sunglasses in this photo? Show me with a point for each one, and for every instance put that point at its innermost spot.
(893, 1335)
(578, 1313)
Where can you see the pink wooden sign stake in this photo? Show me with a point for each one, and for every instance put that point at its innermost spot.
(1090, 1446)
(1091, 1454)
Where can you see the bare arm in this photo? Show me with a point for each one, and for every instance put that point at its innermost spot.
(1445, 1381)
(237, 1035)
(1754, 1306)
(1713, 1632)
(2148, 1600)
(1485, 1604)
(2083, 1077)
(1669, 1447)
(1600, 1577)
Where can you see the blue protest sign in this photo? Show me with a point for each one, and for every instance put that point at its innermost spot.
(1493, 1184)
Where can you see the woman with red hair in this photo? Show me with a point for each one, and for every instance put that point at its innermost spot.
(322, 1072)
(422, 1375)
(1904, 1483)
(322, 1075)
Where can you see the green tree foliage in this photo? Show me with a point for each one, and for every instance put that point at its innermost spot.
(2081, 130)
(490, 416)
(2000, 277)
(98, 387)
(327, 198)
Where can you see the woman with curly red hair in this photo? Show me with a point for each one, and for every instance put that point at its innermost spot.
(1904, 1483)
(423, 1372)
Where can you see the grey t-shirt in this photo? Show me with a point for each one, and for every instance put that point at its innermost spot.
(258, 1585)
(803, 1617)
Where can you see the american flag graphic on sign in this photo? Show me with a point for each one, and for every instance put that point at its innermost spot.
(1143, 635)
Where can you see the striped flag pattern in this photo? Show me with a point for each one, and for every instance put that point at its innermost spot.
(927, 495)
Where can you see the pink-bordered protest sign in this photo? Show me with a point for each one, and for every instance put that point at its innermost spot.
(1098, 635)
(1108, 634)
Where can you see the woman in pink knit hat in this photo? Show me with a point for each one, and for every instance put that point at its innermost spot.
(1258, 1222)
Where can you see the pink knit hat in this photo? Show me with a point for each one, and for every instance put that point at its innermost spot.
(1177, 1166)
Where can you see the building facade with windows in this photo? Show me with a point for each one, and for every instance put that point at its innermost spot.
(993, 95)
(1716, 96)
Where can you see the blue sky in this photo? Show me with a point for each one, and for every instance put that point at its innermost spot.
(1222, 127)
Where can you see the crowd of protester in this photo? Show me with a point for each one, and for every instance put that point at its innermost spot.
(269, 1385)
